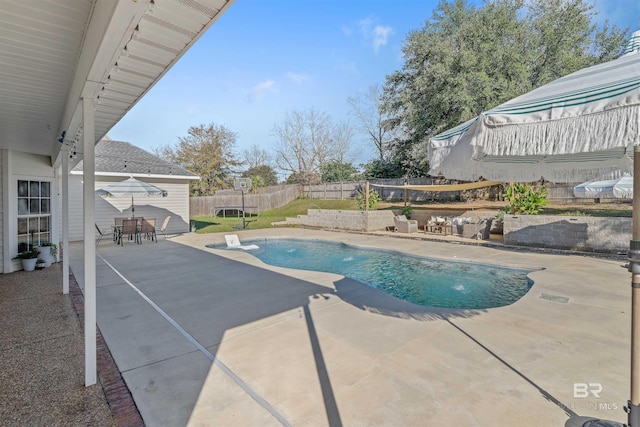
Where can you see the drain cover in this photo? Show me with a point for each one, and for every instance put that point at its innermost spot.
(555, 298)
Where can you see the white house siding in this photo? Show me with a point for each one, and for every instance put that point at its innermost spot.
(176, 205)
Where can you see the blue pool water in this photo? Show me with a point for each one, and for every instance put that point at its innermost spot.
(424, 281)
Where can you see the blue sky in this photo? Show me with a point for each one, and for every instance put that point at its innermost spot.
(263, 58)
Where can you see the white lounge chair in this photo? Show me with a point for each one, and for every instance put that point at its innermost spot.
(233, 242)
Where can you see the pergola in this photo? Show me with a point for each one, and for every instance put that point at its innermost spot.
(69, 71)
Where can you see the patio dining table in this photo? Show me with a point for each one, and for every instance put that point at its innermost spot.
(143, 225)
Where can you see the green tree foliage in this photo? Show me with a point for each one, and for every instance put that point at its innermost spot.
(525, 199)
(299, 178)
(382, 169)
(266, 173)
(208, 152)
(468, 59)
(336, 171)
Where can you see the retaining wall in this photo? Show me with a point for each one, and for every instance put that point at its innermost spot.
(588, 234)
(344, 219)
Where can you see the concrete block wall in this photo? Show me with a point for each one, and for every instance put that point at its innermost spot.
(344, 219)
(589, 234)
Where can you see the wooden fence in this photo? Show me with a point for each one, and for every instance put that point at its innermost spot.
(263, 200)
(277, 196)
(348, 190)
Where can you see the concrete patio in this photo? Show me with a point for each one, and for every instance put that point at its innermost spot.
(212, 337)
(41, 356)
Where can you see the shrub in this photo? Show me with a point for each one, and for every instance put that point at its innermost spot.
(374, 198)
(525, 199)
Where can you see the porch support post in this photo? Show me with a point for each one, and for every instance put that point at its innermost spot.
(65, 221)
(88, 204)
(633, 404)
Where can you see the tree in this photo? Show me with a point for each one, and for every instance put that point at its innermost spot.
(264, 172)
(367, 108)
(208, 152)
(468, 59)
(306, 141)
(382, 169)
(563, 39)
(255, 157)
(337, 171)
(341, 134)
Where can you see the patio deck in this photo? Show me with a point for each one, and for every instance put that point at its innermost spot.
(210, 337)
(204, 336)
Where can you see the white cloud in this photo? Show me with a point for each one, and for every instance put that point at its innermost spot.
(297, 78)
(262, 88)
(365, 27)
(381, 36)
(376, 34)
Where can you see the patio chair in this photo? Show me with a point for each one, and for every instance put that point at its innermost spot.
(131, 229)
(164, 226)
(102, 234)
(148, 228)
(404, 225)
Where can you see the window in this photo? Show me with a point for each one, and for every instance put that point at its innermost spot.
(34, 213)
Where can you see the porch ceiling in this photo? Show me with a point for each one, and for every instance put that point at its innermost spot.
(53, 53)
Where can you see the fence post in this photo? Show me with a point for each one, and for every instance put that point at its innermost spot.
(325, 191)
(341, 190)
(366, 197)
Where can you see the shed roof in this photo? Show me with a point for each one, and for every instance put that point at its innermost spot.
(120, 158)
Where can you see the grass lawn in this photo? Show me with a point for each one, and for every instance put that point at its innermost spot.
(210, 224)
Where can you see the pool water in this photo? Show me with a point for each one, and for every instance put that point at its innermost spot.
(424, 281)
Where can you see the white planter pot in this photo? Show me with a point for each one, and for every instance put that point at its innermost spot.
(44, 253)
(29, 264)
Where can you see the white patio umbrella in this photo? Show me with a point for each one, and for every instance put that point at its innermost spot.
(572, 129)
(617, 188)
(131, 187)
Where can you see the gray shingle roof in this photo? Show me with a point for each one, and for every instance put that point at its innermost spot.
(123, 157)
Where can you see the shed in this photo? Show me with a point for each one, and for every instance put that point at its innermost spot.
(118, 160)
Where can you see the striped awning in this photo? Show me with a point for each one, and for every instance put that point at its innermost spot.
(574, 128)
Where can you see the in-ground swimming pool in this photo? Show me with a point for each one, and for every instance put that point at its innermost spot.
(424, 281)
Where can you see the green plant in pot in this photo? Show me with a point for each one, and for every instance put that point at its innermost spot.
(29, 259)
(40, 264)
(48, 251)
(406, 211)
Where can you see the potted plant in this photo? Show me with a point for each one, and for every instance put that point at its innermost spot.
(40, 264)
(28, 259)
(406, 211)
(47, 251)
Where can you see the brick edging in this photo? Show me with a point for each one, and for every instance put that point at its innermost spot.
(123, 408)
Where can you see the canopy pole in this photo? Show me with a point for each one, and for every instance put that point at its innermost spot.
(633, 407)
